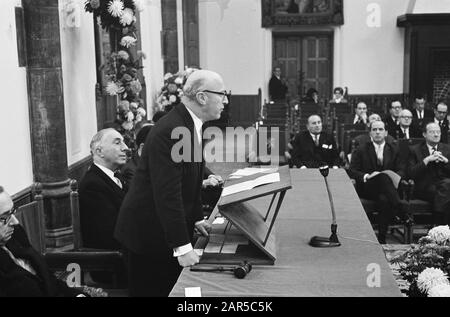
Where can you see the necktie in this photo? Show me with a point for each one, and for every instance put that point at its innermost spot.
(433, 149)
(316, 140)
(379, 155)
(118, 182)
(406, 133)
(420, 114)
(440, 124)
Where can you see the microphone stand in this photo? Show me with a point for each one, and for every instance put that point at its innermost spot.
(332, 241)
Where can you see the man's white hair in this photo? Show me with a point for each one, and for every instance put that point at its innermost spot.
(98, 138)
(197, 81)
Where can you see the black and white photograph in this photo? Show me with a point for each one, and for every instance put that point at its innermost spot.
(237, 151)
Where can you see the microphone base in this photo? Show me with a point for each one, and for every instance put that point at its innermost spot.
(323, 242)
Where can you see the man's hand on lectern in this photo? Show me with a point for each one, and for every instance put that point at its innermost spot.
(203, 227)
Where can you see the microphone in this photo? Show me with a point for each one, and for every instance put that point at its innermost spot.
(332, 241)
(239, 271)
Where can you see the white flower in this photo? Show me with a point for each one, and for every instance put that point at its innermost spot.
(127, 17)
(167, 76)
(128, 41)
(115, 8)
(127, 125)
(123, 55)
(141, 112)
(130, 116)
(442, 290)
(141, 54)
(139, 4)
(133, 105)
(178, 80)
(113, 89)
(138, 118)
(431, 277)
(440, 234)
(172, 99)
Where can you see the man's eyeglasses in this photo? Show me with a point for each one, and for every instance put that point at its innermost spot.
(6, 217)
(224, 93)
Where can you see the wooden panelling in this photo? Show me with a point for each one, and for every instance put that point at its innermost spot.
(244, 109)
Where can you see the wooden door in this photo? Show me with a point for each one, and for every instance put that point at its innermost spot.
(305, 62)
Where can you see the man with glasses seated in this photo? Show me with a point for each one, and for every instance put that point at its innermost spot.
(23, 271)
(392, 120)
(406, 129)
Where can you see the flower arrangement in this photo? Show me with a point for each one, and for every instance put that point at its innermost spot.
(425, 267)
(172, 90)
(122, 66)
(115, 14)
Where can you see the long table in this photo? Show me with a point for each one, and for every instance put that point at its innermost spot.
(357, 268)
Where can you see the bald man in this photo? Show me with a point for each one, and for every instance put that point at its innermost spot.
(163, 206)
(430, 168)
(314, 148)
(23, 271)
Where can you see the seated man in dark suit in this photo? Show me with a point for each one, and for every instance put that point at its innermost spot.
(313, 148)
(360, 119)
(392, 119)
(430, 169)
(420, 113)
(406, 129)
(368, 163)
(23, 271)
(101, 194)
(440, 117)
(364, 138)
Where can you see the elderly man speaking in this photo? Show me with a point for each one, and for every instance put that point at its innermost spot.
(163, 205)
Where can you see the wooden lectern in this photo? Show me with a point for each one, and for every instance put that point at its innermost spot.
(249, 222)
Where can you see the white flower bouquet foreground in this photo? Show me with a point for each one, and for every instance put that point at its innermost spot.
(426, 266)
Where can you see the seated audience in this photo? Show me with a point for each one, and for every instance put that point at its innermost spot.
(23, 271)
(314, 147)
(338, 96)
(368, 163)
(440, 117)
(364, 138)
(430, 169)
(419, 112)
(392, 120)
(360, 119)
(312, 96)
(129, 169)
(406, 129)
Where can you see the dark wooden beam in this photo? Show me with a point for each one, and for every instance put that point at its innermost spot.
(423, 19)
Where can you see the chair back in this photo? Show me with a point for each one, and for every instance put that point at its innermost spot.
(75, 211)
(31, 217)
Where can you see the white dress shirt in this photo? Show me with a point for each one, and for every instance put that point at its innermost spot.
(430, 148)
(406, 132)
(198, 123)
(110, 174)
(419, 113)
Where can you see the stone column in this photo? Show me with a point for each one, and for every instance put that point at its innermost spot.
(46, 102)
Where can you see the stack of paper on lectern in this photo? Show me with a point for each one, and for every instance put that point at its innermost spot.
(244, 186)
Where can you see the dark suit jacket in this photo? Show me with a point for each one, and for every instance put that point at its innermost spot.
(129, 169)
(277, 89)
(414, 132)
(364, 161)
(100, 201)
(427, 116)
(424, 175)
(164, 201)
(391, 125)
(306, 153)
(18, 282)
